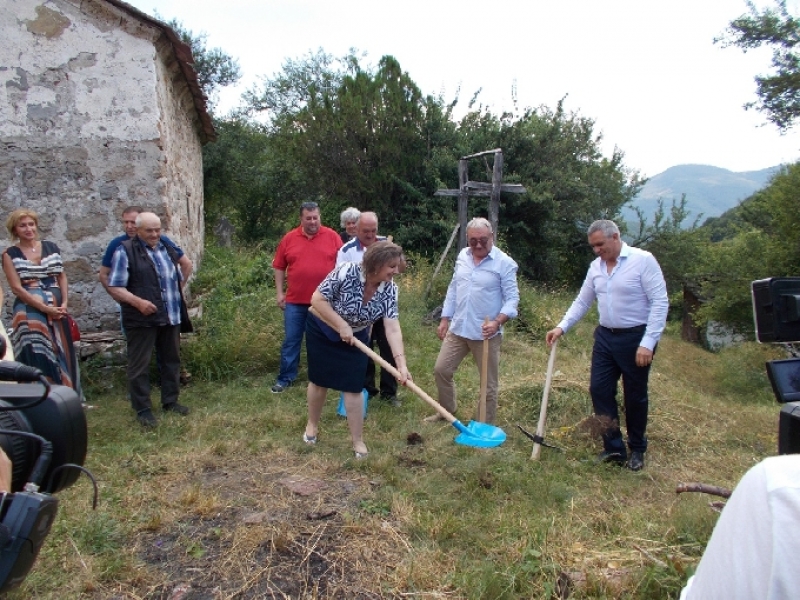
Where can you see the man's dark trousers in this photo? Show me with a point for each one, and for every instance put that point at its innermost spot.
(614, 355)
(388, 385)
(141, 342)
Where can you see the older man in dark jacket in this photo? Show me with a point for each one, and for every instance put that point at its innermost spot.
(146, 280)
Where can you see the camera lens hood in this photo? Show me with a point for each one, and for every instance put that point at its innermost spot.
(60, 419)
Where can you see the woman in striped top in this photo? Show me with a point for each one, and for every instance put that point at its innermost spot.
(41, 335)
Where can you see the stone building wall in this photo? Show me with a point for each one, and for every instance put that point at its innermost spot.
(94, 115)
(182, 157)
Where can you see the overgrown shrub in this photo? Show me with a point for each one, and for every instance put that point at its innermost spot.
(541, 308)
(240, 328)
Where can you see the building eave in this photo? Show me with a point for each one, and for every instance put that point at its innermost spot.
(183, 54)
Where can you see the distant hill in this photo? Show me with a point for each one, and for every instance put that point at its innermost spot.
(710, 191)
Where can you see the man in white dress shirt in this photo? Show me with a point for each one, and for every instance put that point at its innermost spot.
(484, 285)
(632, 300)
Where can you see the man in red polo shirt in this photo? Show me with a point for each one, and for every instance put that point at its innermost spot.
(304, 257)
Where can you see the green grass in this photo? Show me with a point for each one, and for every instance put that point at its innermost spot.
(205, 499)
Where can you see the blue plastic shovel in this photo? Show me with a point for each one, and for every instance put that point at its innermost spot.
(479, 435)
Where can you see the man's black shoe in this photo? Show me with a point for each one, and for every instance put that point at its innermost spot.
(614, 458)
(176, 408)
(147, 419)
(636, 462)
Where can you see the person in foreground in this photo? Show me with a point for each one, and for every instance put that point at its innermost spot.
(352, 297)
(41, 336)
(632, 301)
(484, 285)
(754, 547)
(145, 279)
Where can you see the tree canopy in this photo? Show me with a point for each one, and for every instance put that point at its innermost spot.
(215, 69)
(779, 92)
(359, 135)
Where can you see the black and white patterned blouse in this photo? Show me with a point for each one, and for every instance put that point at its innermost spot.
(343, 288)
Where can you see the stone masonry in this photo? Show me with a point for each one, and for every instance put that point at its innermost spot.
(99, 109)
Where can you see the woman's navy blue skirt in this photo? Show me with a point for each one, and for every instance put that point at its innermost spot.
(332, 363)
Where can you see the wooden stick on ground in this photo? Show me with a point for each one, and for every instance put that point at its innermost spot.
(704, 489)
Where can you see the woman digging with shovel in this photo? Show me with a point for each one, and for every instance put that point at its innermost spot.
(343, 308)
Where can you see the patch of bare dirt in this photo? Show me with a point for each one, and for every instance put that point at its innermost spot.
(287, 531)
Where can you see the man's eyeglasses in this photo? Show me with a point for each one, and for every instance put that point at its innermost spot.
(309, 206)
(478, 241)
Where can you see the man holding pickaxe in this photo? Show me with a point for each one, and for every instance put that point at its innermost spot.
(632, 300)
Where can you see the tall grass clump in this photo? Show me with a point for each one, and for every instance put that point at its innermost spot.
(240, 327)
(742, 372)
(541, 308)
(420, 287)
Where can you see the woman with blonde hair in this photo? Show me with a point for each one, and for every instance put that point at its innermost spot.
(41, 336)
(351, 298)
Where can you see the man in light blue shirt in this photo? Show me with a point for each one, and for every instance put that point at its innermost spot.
(484, 285)
(632, 301)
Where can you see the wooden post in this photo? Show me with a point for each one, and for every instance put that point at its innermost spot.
(441, 260)
(463, 201)
(497, 181)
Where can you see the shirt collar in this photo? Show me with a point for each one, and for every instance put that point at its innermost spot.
(492, 253)
(148, 247)
(362, 276)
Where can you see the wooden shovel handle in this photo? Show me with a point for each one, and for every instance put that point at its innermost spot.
(484, 374)
(385, 365)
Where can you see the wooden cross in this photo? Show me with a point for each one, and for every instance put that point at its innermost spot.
(480, 189)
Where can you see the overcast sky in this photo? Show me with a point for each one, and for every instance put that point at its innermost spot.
(646, 71)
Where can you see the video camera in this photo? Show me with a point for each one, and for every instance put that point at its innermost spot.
(776, 311)
(43, 433)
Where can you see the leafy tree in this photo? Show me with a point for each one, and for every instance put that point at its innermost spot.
(282, 96)
(248, 182)
(767, 245)
(569, 184)
(725, 273)
(215, 69)
(778, 93)
(359, 136)
(675, 246)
